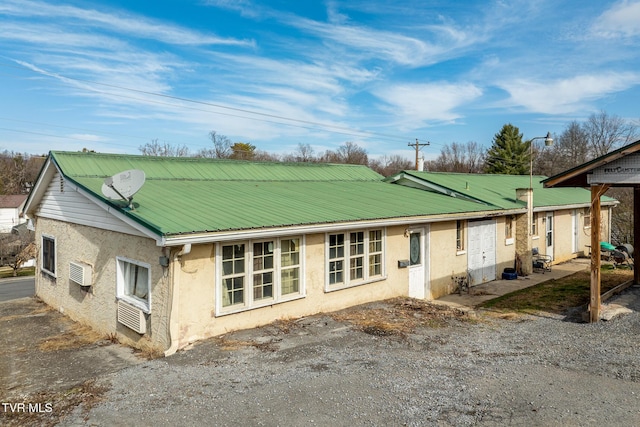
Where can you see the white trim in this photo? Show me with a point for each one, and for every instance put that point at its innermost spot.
(53, 274)
(347, 283)
(248, 303)
(120, 294)
(572, 206)
(235, 235)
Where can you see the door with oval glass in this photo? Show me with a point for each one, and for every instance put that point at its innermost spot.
(417, 263)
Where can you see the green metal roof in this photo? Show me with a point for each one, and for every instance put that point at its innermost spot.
(186, 195)
(500, 190)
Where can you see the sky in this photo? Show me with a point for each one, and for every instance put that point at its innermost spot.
(113, 75)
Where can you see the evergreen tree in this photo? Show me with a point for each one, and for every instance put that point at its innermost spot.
(509, 154)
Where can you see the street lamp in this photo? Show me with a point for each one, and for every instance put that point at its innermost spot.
(548, 141)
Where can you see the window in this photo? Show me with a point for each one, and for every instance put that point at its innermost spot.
(460, 235)
(361, 251)
(134, 282)
(290, 266)
(587, 218)
(356, 260)
(534, 224)
(233, 268)
(375, 253)
(48, 262)
(508, 228)
(336, 258)
(257, 273)
(263, 269)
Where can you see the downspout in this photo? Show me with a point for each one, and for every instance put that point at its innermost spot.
(174, 323)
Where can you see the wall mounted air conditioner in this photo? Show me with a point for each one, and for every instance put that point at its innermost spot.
(131, 317)
(80, 273)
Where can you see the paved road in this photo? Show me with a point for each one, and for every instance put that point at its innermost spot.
(17, 287)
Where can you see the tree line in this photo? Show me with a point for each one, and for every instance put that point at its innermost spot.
(223, 148)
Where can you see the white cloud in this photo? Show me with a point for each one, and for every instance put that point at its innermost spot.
(567, 95)
(419, 103)
(129, 24)
(623, 18)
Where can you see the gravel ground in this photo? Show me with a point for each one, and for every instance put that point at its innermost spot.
(532, 370)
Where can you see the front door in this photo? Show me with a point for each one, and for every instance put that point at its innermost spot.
(575, 219)
(417, 263)
(482, 251)
(549, 234)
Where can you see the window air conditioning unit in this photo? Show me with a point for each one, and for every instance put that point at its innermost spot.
(131, 317)
(80, 273)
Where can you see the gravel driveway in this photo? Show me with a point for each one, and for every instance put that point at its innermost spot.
(531, 370)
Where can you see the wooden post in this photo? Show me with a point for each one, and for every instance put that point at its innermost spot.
(594, 301)
(636, 230)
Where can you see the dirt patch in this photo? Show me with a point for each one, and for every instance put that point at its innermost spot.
(47, 409)
(399, 316)
(49, 362)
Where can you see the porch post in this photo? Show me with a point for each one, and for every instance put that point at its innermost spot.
(636, 231)
(594, 301)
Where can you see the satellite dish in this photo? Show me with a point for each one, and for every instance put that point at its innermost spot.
(123, 185)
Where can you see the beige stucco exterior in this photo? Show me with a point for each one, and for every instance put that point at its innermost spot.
(195, 285)
(184, 293)
(96, 306)
(563, 246)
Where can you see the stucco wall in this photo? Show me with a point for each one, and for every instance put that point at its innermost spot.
(445, 259)
(96, 306)
(195, 285)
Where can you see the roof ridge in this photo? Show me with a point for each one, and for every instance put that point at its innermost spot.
(207, 159)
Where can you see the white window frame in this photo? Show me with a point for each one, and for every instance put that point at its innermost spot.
(346, 260)
(55, 255)
(508, 230)
(120, 285)
(461, 225)
(249, 303)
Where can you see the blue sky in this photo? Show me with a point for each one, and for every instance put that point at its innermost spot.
(113, 75)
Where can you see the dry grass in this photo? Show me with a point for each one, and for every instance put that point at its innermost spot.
(54, 406)
(77, 336)
(40, 310)
(556, 296)
(399, 316)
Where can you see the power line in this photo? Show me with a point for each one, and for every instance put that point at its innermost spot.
(305, 124)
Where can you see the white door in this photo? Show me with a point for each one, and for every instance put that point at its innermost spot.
(574, 226)
(482, 251)
(549, 234)
(417, 263)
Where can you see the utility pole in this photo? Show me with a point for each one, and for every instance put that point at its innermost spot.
(418, 145)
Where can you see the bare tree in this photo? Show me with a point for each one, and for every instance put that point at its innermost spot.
(18, 172)
(221, 147)
(622, 218)
(28, 251)
(304, 153)
(390, 165)
(465, 158)
(155, 148)
(569, 149)
(606, 132)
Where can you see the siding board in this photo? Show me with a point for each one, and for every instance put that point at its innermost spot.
(62, 202)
